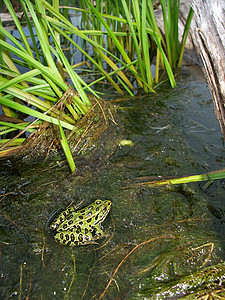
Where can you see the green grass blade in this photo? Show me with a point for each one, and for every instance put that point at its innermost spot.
(18, 25)
(185, 35)
(30, 27)
(125, 87)
(110, 32)
(16, 126)
(145, 45)
(20, 78)
(54, 77)
(135, 41)
(32, 112)
(66, 149)
(89, 57)
(195, 178)
(15, 142)
(70, 71)
(42, 33)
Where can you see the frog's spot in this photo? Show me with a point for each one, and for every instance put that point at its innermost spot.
(97, 209)
(76, 243)
(70, 222)
(80, 237)
(69, 242)
(64, 213)
(61, 219)
(86, 230)
(72, 237)
(89, 214)
(67, 236)
(81, 217)
(78, 229)
(82, 211)
(90, 207)
(61, 235)
(69, 217)
(86, 237)
(64, 226)
(96, 217)
(64, 241)
(81, 223)
(89, 220)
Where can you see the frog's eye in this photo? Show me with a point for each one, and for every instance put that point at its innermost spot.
(98, 202)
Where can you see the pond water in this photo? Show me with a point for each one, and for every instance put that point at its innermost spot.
(174, 132)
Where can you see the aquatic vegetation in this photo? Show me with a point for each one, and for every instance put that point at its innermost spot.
(210, 177)
(201, 284)
(42, 89)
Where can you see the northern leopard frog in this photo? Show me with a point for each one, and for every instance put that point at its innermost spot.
(81, 227)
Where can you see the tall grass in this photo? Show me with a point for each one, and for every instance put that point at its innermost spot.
(125, 38)
(132, 31)
(41, 91)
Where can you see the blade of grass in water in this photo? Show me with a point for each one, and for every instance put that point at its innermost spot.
(19, 27)
(185, 35)
(66, 149)
(195, 178)
(135, 41)
(113, 37)
(33, 112)
(73, 30)
(145, 45)
(15, 142)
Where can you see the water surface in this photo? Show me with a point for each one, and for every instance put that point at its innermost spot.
(174, 132)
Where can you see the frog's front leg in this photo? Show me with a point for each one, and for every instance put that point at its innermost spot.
(99, 232)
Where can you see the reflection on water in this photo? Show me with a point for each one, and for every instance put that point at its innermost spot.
(173, 133)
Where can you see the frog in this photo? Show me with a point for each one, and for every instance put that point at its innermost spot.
(81, 227)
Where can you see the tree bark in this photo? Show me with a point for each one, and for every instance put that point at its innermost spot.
(208, 30)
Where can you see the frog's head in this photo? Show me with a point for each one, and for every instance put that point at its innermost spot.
(103, 207)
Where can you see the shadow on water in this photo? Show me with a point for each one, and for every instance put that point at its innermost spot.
(173, 133)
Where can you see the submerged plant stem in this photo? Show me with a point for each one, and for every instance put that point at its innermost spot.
(123, 260)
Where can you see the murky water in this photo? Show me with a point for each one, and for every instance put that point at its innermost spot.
(173, 132)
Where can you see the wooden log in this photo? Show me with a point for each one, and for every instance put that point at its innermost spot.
(208, 35)
(206, 46)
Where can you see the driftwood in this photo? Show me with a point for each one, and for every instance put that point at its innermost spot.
(205, 45)
(209, 22)
(207, 33)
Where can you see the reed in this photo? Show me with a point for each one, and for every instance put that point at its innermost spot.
(210, 177)
(41, 91)
(133, 33)
(124, 36)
